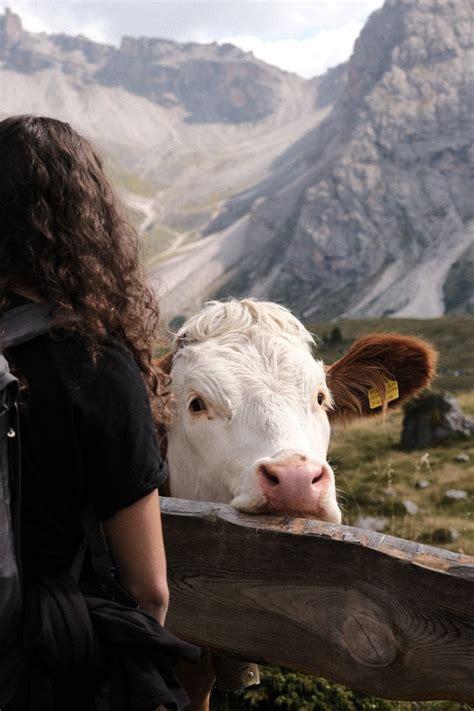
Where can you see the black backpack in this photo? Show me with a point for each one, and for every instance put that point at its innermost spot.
(18, 325)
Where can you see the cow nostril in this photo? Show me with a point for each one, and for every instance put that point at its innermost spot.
(270, 477)
(317, 478)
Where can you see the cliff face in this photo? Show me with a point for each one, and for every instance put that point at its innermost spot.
(380, 218)
(212, 82)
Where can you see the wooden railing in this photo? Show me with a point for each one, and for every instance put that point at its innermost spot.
(379, 614)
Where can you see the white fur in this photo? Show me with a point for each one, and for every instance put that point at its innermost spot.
(251, 363)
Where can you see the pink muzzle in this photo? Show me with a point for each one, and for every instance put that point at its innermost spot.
(295, 485)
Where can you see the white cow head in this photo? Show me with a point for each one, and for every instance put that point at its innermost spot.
(253, 407)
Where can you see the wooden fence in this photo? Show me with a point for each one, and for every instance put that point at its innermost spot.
(379, 614)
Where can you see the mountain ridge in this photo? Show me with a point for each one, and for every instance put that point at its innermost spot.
(214, 82)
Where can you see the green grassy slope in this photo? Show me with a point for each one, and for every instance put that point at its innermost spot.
(374, 478)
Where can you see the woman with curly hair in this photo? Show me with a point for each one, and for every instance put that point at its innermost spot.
(88, 432)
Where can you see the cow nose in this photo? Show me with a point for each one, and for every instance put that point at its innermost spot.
(280, 475)
(295, 484)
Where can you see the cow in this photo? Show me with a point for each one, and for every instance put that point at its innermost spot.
(253, 409)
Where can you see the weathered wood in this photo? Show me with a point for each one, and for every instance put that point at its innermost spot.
(380, 614)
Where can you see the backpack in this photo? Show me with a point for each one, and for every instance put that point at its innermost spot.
(18, 325)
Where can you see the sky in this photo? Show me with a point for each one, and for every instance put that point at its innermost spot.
(302, 37)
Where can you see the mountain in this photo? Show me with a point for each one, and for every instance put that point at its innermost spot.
(211, 83)
(349, 194)
(371, 212)
(184, 126)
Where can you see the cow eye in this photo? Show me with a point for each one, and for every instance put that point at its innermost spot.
(197, 404)
(321, 398)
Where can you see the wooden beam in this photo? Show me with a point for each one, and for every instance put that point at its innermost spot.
(379, 614)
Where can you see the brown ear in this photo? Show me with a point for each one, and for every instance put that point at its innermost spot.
(366, 367)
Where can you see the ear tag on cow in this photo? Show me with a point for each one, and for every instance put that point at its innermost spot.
(375, 399)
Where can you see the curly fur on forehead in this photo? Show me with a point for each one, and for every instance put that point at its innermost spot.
(245, 317)
(259, 365)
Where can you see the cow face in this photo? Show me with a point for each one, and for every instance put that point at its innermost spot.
(251, 426)
(253, 407)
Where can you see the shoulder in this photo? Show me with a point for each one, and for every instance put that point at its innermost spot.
(112, 362)
(108, 394)
(113, 375)
(63, 365)
(110, 378)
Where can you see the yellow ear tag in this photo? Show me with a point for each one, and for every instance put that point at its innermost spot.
(375, 399)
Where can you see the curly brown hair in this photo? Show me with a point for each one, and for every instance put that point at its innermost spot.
(64, 236)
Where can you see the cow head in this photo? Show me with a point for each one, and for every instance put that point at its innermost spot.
(253, 407)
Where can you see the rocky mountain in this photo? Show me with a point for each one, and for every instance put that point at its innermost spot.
(347, 194)
(371, 212)
(212, 83)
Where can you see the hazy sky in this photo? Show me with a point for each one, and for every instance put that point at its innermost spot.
(303, 37)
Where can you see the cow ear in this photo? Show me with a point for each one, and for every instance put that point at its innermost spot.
(165, 363)
(379, 372)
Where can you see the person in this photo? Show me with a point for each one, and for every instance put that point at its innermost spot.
(87, 424)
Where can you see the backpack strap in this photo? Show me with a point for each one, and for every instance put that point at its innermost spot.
(15, 455)
(100, 558)
(23, 323)
(18, 325)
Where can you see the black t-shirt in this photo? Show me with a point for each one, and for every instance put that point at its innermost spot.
(87, 436)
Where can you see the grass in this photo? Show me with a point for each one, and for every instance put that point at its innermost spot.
(157, 240)
(375, 477)
(129, 181)
(210, 202)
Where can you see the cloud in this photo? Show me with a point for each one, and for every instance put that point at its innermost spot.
(303, 37)
(265, 19)
(308, 57)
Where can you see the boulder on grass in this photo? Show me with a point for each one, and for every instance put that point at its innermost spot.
(434, 418)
